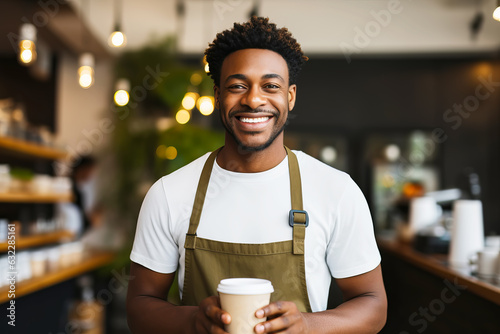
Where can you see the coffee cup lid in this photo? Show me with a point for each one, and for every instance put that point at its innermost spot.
(245, 286)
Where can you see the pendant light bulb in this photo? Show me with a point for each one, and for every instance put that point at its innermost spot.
(27, 47)
(496, 12)
(117, 39)
(122, 96)
(86, 70)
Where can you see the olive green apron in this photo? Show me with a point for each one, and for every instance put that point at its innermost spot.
(209, 261)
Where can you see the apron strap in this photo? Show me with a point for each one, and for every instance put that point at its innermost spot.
(298, 218)
(199, 199)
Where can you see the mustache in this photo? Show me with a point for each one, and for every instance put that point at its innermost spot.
(254, 111)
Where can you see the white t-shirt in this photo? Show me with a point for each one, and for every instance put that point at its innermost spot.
(253, 208)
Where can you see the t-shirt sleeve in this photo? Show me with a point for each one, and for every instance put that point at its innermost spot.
(154, 246)
(352, 249)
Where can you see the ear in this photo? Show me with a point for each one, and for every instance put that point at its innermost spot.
(292, 93)
(216, 96)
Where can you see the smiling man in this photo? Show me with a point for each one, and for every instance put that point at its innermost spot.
(254, 208)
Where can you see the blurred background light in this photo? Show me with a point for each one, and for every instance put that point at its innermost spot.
(392, 152)
(189, 100)
(205, 105)
(121, 96)
(182, 116)
(27, 47)
(328, 154)
(86, 70)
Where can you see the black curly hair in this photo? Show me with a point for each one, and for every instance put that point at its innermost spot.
(258, 33)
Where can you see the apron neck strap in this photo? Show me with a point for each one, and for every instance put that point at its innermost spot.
(298, 218)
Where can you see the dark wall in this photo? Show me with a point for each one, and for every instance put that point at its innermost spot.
(384, 95)
(37, 95)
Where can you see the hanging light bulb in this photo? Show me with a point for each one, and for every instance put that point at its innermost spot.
(121, 95)
(496, 12)
(86, 70)
(117, 38)
(27, 48)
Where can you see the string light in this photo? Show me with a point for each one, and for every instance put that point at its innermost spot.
(182, 116)
(121, 95)
(171, 153)
(164, 152)
(496, 12)
(27, 47)
(205, 105)
(117, 38)
(189, 100)
(86, 70)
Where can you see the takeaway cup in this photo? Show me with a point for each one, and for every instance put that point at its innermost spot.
(467, 237)
(241, 298)
(424, 211)
(487, 262)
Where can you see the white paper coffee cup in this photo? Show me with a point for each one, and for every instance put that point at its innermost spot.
(241, 298)
(487, 262)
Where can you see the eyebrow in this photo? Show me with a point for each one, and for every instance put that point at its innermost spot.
(265, 76)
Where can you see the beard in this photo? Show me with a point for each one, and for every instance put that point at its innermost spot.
(242, 146)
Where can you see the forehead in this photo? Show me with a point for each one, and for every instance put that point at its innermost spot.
(254, 62)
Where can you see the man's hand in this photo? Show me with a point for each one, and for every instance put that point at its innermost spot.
(210, 318)
(282, 316)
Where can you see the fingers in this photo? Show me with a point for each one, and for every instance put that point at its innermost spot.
(284, 315)
(213, 311)
(211, 317)
(276, 308)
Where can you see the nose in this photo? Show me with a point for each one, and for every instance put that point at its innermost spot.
(254, 98)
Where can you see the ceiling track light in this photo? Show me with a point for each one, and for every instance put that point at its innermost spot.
(27, 47)
(117, 38)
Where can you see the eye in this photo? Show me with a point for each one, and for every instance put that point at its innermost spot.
(236, 87)
(271, 86)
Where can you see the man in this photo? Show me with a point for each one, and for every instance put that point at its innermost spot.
(228, 214)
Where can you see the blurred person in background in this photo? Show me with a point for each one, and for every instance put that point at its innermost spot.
(235, 206)
(83, 213)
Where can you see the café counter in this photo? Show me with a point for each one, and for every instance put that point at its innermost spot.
(425, 294)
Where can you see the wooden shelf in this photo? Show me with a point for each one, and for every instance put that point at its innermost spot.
(24, 242)
(34, 198)
(31, 149)
(91, 262)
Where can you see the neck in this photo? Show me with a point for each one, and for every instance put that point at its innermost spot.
(234, 159)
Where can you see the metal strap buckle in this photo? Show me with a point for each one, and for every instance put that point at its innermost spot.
(291, 221)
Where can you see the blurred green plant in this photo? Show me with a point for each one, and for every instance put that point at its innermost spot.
(132, 152)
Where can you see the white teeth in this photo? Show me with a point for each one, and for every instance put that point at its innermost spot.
(253, 119)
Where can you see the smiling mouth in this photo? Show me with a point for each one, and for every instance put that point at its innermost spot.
(253, 119)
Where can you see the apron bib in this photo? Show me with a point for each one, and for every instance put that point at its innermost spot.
(208, 261)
